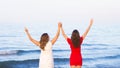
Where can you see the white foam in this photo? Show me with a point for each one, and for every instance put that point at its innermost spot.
(8, 52)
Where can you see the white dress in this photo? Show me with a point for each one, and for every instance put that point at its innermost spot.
(46, 57)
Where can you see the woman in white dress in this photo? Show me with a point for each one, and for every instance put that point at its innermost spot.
(46, 56)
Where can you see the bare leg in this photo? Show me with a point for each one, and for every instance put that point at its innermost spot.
(73, 66)
(78, 66)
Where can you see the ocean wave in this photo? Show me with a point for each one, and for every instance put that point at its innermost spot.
(58, 61)
(96, 48)
(95, 44)
(8, 36)
(20, 64)
(110, 57)
(102, 58)
(12, 52)
(89, 59)
(32, 63)
(30, 60)
(8, 52)
(20, 52)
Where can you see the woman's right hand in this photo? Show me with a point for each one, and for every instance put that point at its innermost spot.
(59, 24)
(91, 22)
(26, 30)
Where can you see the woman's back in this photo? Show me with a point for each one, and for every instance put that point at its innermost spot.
(46, 57)
(76, 56)
(48, 47)
(75, 49)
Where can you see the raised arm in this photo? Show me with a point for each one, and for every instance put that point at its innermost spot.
(87, 30)
(57, 34)
(63, 33)
(31, 39)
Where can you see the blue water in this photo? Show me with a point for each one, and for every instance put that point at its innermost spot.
(100, 49)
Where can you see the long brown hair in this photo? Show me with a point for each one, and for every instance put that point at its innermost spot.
(75, 38)
(44, 39)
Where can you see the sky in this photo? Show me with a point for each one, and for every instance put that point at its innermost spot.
(52, 11)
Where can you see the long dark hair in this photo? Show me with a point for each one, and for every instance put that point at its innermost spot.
(44, 39)
(75, 38)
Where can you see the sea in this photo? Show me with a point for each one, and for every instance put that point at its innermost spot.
(100, 49)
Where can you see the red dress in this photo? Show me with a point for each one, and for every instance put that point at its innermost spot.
(76, 56)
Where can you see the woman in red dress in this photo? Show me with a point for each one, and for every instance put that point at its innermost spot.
(75, 44)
